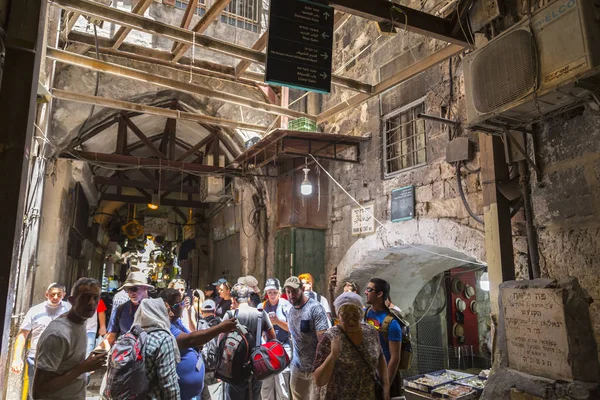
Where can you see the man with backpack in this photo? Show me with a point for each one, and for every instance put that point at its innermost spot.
(306, 322)
(277, 387)
(249, 318)
(191, 369)
(393, 330)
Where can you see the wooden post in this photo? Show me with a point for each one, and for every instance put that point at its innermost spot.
(498, 232)
(285, 101)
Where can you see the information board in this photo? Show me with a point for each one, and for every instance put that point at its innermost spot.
(403, 203)
(300, 45)
(362, 220)
(536, 334)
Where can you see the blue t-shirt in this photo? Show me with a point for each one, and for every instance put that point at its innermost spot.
(191, 368)
(394, 333)
(125, 318)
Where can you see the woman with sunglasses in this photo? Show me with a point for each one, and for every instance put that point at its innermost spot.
(191, 368)
(224, 303)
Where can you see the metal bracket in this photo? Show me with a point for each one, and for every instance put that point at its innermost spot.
(521, 150)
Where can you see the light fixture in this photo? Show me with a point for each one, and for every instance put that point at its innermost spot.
(155, 202)
(306, 186)
(484, 282)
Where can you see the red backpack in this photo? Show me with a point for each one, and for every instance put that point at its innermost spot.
(268, 359)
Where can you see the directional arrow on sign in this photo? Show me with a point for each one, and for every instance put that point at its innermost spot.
(325, 35)
(326, 15)
(325, 56)
(324, 75)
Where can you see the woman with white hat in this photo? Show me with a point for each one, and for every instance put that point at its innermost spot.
(349, 359)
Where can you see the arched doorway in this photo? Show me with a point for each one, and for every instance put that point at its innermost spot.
(423, 261)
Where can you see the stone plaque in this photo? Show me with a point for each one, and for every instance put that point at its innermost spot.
(362, 220)
(536, 334)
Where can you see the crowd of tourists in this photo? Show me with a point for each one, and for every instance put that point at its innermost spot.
(227, 341)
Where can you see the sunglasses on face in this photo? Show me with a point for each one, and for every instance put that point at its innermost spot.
(178, 305)
(132, 289)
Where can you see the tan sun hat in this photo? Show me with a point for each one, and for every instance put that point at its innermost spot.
(136, 278)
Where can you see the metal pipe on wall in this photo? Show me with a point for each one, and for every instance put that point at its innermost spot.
(532, 239)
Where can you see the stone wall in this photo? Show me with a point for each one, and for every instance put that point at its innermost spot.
(436, 193)
(566, 203)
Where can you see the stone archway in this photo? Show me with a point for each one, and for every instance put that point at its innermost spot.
(410, 254)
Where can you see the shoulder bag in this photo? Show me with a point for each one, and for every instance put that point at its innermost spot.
(379, 389)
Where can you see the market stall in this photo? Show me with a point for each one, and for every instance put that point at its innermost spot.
(446, 384)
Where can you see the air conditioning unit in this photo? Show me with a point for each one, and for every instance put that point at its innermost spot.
(212, 187)
(542, 64)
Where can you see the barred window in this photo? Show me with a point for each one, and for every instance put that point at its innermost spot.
(200, 9)
(244, 14)
(404, 139)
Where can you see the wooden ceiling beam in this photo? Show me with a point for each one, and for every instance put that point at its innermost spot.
(143, 138)
(144, 200)
(139, 145)
(196, 147)
(148, 25)
(259, 45)
(139, 9)
(133, 73)
(92, 133)
(405, 18)
(185, 36)
(211, 14)
(137, 184)
(396, 79)
(152, 110)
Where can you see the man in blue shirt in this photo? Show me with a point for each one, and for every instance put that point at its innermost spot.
(390, 331)
(190, 369)
(121, 317)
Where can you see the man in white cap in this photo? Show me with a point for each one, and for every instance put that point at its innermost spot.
(307, 321)
(35, 322)
(208, 320)
(121, 318)
(277, 387)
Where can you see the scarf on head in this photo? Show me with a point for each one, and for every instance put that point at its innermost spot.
(152, 314)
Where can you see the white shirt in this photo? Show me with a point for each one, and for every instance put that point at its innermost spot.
(37, 319)
(62, 346)
(91, 325)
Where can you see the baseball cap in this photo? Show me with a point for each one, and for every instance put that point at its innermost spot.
(293, 282)
(210, 287)
(220, 281)
(272, 284)
(208, 305)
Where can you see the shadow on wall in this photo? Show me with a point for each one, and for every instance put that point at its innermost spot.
(435, 246)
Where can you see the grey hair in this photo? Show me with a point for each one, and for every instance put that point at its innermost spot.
(241, 292)
(83, 282)
(56, 285)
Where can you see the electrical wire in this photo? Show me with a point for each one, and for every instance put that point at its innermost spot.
(461, 192)
(387, 229)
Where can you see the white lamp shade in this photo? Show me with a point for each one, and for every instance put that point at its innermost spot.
(484, 282)
(306, 187)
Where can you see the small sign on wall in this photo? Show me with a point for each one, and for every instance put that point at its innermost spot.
(403, 203)
(362, 220)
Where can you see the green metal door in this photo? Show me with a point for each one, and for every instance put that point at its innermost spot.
(299, 250)
(309, 256)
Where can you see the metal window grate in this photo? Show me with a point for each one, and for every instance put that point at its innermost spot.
(404, 139)
(244, 14)
(200, 9)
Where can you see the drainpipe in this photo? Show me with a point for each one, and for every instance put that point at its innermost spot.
(532, 239)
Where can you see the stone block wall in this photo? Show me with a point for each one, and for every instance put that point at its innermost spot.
(566, 202)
